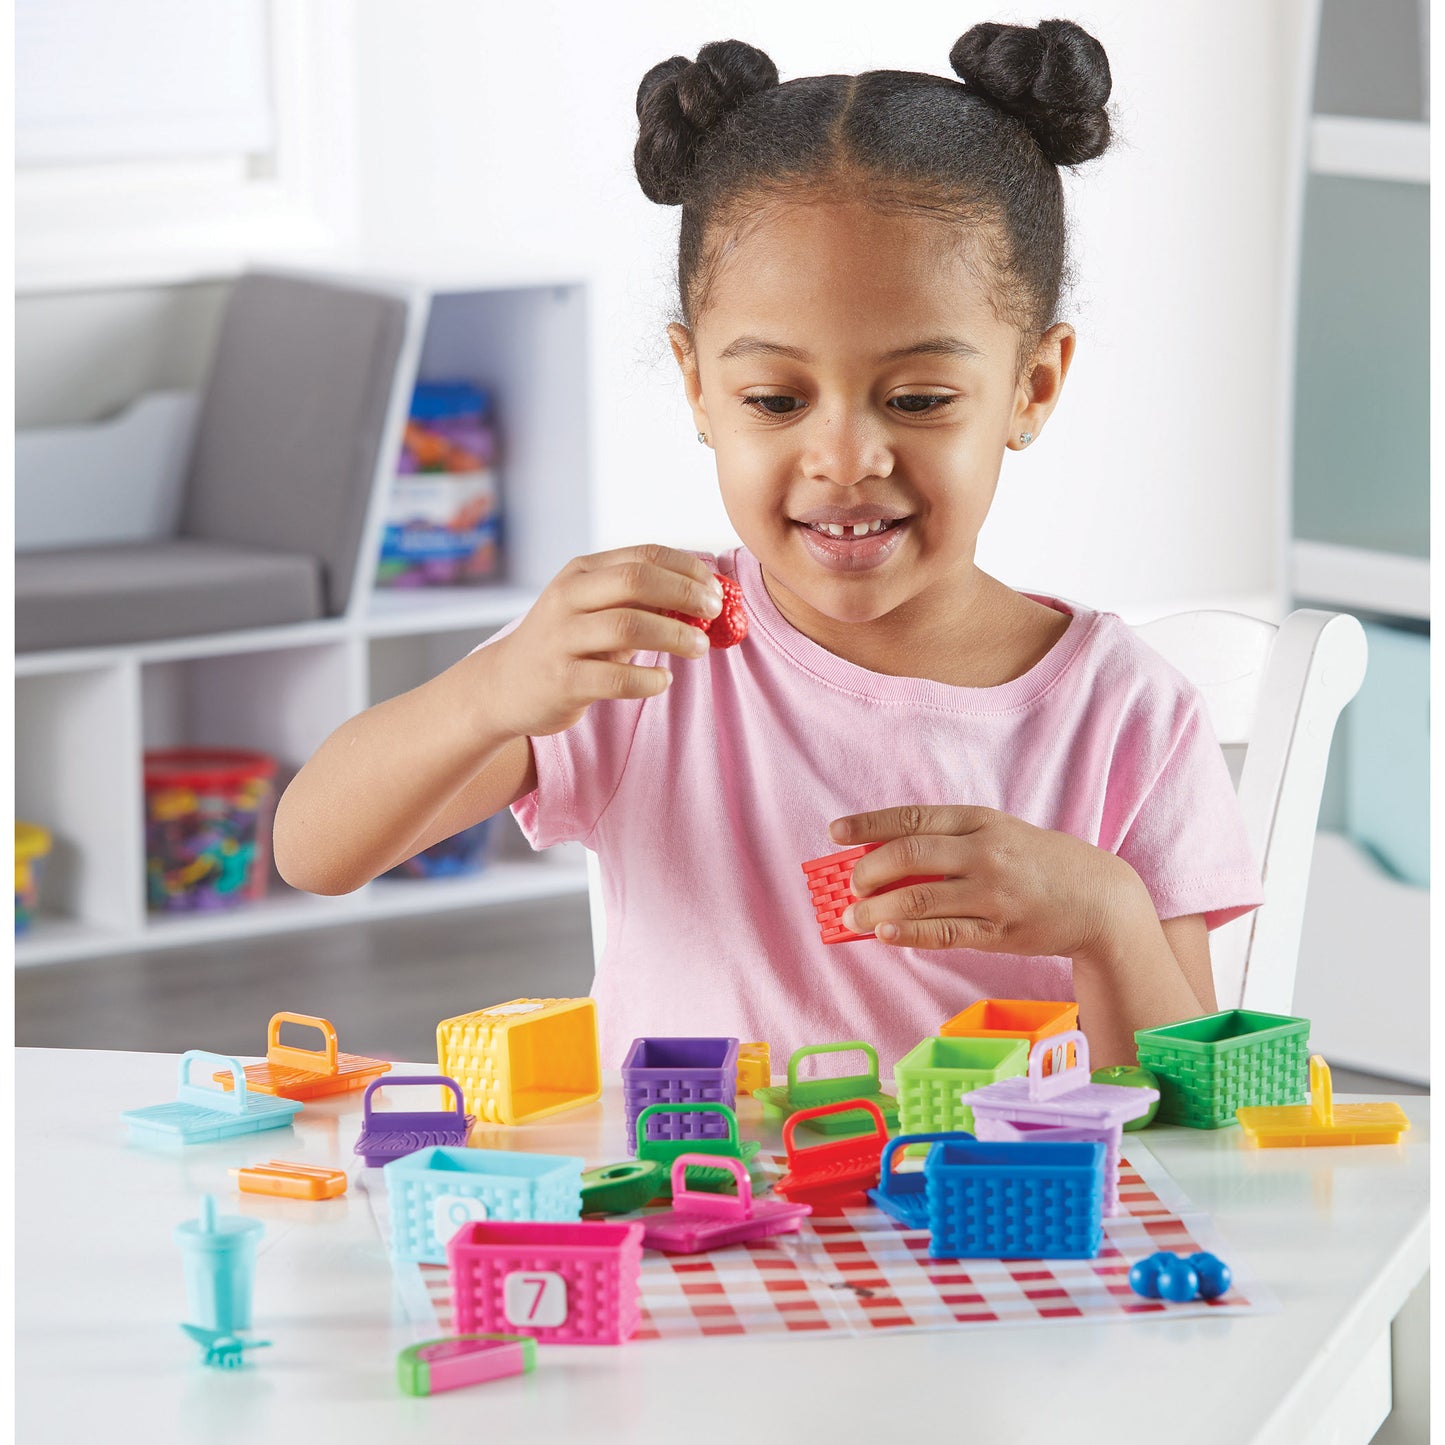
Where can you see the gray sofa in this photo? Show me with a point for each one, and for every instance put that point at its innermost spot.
(276, 492)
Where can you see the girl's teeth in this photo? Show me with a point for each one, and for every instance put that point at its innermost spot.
(858, 529)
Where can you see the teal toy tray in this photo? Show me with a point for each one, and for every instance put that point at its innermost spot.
(199, 1114)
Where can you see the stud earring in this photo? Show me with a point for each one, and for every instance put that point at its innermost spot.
(1025, 437)
(702, 437)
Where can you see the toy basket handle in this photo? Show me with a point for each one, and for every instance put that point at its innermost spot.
(1069, 1078)
(885, 1165)
(842, 1106)
(798, 1055)
(289, 1057)
(651, 1109)
(233, 1102)
(699, 1202)
(390, 1080)
(1322, 1091)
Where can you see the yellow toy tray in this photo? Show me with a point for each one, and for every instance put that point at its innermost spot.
(1321, 1121)
(291, 1073)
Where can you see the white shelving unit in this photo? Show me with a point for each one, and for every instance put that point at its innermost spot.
(84, 717)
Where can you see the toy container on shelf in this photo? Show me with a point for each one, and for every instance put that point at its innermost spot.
(679, 1071)
(208, 828)
(1015, 1201)
(1017, 1018)
(1209, 1067)
(1066, 1106)
(460, 856)
(443, 516)
(935, 1078)
(570, 1284)
(435, 1191)
(523, 1060)
(32, 848)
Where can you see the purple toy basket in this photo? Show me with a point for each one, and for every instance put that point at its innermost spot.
(385, 1137)
(679, 1071)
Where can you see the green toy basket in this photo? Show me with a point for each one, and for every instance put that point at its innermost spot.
(935, 1078)
(1209, 1067)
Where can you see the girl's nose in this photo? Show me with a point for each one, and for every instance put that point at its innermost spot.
(846, 447)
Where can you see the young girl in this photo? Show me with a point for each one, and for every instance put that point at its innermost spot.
(869, 273)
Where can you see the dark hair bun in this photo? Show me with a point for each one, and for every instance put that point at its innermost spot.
(680, 100)
(1054, 77)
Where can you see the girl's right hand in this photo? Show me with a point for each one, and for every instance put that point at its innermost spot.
(575, 645)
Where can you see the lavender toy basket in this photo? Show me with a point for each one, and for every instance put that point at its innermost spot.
(679, 1071)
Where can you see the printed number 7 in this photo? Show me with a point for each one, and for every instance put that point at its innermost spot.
(541, 1281)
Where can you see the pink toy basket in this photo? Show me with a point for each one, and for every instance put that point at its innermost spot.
(569, 1284)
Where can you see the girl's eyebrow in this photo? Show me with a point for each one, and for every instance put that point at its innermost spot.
(932, 346)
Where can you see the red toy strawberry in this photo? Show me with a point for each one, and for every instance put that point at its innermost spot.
(730, 626)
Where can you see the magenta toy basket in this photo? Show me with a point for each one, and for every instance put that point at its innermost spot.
(679, 1071)
(570, 1284)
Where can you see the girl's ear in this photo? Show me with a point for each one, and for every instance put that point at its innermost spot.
(1041, 382)
(686, 353)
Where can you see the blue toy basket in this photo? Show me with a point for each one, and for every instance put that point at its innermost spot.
(199, 1114)
(904, 1197)
(433, 1192)
(1015, 1201)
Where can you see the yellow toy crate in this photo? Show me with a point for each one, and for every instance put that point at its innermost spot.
(523, 1060)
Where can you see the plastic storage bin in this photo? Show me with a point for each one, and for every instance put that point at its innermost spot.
(435, 1191)
(207, 828)
(572, 1284)
(679, 1071)
(1209, 1067)
(1015, 1201)
(935, 1078)
(443, 519)
(32, 848)
(462, 854)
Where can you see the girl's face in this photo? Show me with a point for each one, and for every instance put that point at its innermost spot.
(859, 391)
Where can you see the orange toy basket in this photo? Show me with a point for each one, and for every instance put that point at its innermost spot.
(292, 1073)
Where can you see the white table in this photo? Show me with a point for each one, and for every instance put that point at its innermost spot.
(1340, 1235)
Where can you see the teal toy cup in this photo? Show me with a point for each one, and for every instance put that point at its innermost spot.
(219, 1253)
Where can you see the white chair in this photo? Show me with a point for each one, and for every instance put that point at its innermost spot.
(1273, 695)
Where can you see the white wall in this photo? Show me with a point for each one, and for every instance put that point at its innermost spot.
(499, 138)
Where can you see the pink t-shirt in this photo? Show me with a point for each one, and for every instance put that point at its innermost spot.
(703, 803)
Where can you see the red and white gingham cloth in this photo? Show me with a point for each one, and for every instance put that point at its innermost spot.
(853, 1270)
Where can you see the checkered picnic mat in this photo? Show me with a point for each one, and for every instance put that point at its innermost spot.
(853, 1270)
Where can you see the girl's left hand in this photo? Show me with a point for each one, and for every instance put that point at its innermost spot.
(1003, 885)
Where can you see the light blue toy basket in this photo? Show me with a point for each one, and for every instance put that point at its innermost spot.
(433, 1192)
(201, 1113)
(1015, 1201)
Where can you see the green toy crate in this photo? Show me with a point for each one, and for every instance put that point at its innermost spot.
(1209, 1067)
(935, 1077)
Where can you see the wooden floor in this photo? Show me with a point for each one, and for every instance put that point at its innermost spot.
(384, 986)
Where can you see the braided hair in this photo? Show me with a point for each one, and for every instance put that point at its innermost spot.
(720, 137)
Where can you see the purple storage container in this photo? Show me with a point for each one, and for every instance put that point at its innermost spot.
(679, 1071)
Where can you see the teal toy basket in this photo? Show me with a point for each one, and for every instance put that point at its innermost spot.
(1209, 1067)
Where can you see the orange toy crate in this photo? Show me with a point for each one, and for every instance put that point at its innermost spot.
(1017, 1018)
(525, 1059)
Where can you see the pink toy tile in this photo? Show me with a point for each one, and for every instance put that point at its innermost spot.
(698, 1222)
(1042, 1106)
(569, 1284)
